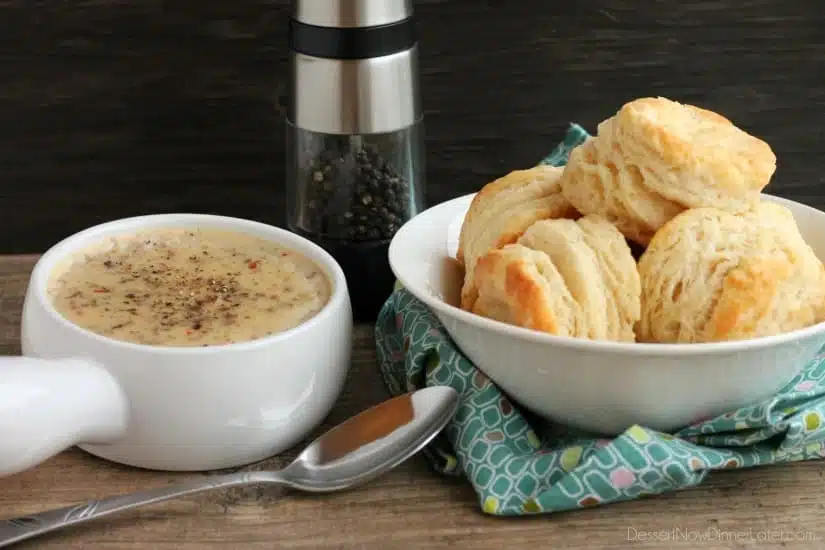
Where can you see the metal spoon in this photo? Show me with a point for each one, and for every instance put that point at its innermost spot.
(352, 453)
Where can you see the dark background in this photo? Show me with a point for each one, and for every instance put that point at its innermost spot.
(112, 108)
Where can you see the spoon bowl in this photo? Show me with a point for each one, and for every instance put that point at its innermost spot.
(350, 454)
(372, 442)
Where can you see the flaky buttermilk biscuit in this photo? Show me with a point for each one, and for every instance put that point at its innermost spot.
(502, 211)
(710, 275)
(656, 158)
(565, 277)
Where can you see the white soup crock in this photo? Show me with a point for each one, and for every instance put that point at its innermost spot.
(169, 408)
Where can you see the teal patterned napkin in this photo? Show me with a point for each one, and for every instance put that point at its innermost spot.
(519, 465)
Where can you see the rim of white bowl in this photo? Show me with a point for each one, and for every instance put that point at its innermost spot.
(278, 235)
(602, 346)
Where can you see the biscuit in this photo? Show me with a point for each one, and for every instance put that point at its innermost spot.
(709, 275)
(502, 211)
(656, 158)
(565, 277)
(521, 286)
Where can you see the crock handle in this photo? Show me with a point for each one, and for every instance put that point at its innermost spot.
(49, 405)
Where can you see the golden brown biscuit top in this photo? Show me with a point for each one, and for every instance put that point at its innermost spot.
(685, 135)
(710, 275)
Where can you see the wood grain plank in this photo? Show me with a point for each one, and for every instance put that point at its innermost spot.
(111, 108)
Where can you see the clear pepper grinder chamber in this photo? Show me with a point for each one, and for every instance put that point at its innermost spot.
(355, 158)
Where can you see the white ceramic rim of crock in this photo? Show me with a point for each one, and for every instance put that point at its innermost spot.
(402, 240)
(89, 236)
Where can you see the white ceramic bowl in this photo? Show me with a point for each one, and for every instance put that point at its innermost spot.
(170, 408)
(600, 386)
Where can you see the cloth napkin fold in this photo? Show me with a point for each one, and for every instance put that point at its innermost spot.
(519, 465)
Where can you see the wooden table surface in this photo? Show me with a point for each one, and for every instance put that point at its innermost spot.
(411, 507)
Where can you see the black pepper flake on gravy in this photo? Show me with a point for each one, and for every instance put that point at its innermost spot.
(181, 287)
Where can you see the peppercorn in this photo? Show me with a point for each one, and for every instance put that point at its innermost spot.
(354, 194)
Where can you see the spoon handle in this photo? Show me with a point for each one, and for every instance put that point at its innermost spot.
(22, 528)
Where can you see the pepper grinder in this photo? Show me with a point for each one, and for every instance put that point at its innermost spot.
(355, 155)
